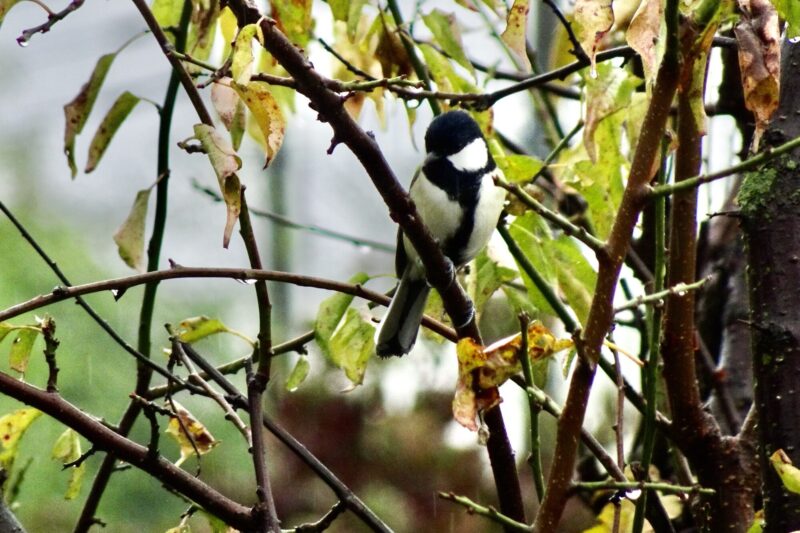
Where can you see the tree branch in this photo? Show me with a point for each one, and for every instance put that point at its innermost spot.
(126, 450)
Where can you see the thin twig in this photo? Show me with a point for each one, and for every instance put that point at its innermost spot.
(195, 377)
(311, 228)
(749, 164)
(580, 233)
(325, 522)
(293, 345)
(50, 347)
(489, 512)
(105, 326)
(577, 49)
(52, 18)
(657, 298)
(535, 458)
(641, 485)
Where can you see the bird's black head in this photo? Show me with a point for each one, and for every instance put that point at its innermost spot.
(450, 132)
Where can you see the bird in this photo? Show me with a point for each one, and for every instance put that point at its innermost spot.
(456, 197)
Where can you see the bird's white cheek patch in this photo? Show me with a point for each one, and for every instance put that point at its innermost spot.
(471, 158)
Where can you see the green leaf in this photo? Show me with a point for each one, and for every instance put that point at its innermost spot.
(294, 19)
(532, 234)
(5, 329)
(21, 348)
(299, 374)
(446, 32)
(12, 428)
(216, 525)
(130, 235)
(242, 62)
(5, 6)
(353, 345)
(519, 168)
(183, 528)
(789, 474)
(225, 162)
(67, 449)
(348, 11)
(267, 114)
(109, 126)
(516, 29)
(77, 111)
(576, 277)
(443, 73)
(789, 10)
(199, 327)
(330, 313)
(485, 278)
(168, 15)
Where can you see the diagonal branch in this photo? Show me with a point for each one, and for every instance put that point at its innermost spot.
(126, 450)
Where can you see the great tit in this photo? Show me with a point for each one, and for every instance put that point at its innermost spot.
(456, 197)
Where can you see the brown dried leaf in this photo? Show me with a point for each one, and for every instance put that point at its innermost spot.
(643, 35)
(185, 428)
(758, 39)
(481, 370)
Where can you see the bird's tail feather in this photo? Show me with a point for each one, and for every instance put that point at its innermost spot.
(400, 327)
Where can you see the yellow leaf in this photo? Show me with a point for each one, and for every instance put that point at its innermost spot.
(591, 21)
(119, 111)
(130, 235)
(225, 162)
(242, 63)
(230, 109)
(12, 427)
(789, 474)
(186, 429)
(481, 370)
(267, 113)
(294, 19)
(516, 30)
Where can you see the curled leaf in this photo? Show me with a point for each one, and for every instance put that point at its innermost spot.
(789, 474)
(481, 370)
(644, 33)
(199, 327)
(130, 235)
(67, 449)
(242, 63)
(186, 429)
(230, 109)
(267, 113)
(77, 111)
(299, 374)
(109, 126)
(225, 162)
(758, 40)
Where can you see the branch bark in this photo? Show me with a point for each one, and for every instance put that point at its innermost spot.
(770, 215)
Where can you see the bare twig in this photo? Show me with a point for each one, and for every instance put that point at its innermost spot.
(52, 18)
(657, 298)
(105, 326)
(50, 347)
(325, 522)
(126, 450)
(509, 524)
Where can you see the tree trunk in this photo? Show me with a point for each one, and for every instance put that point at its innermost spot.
(770, 211)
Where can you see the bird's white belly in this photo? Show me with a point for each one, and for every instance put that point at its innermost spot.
(443, 215)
